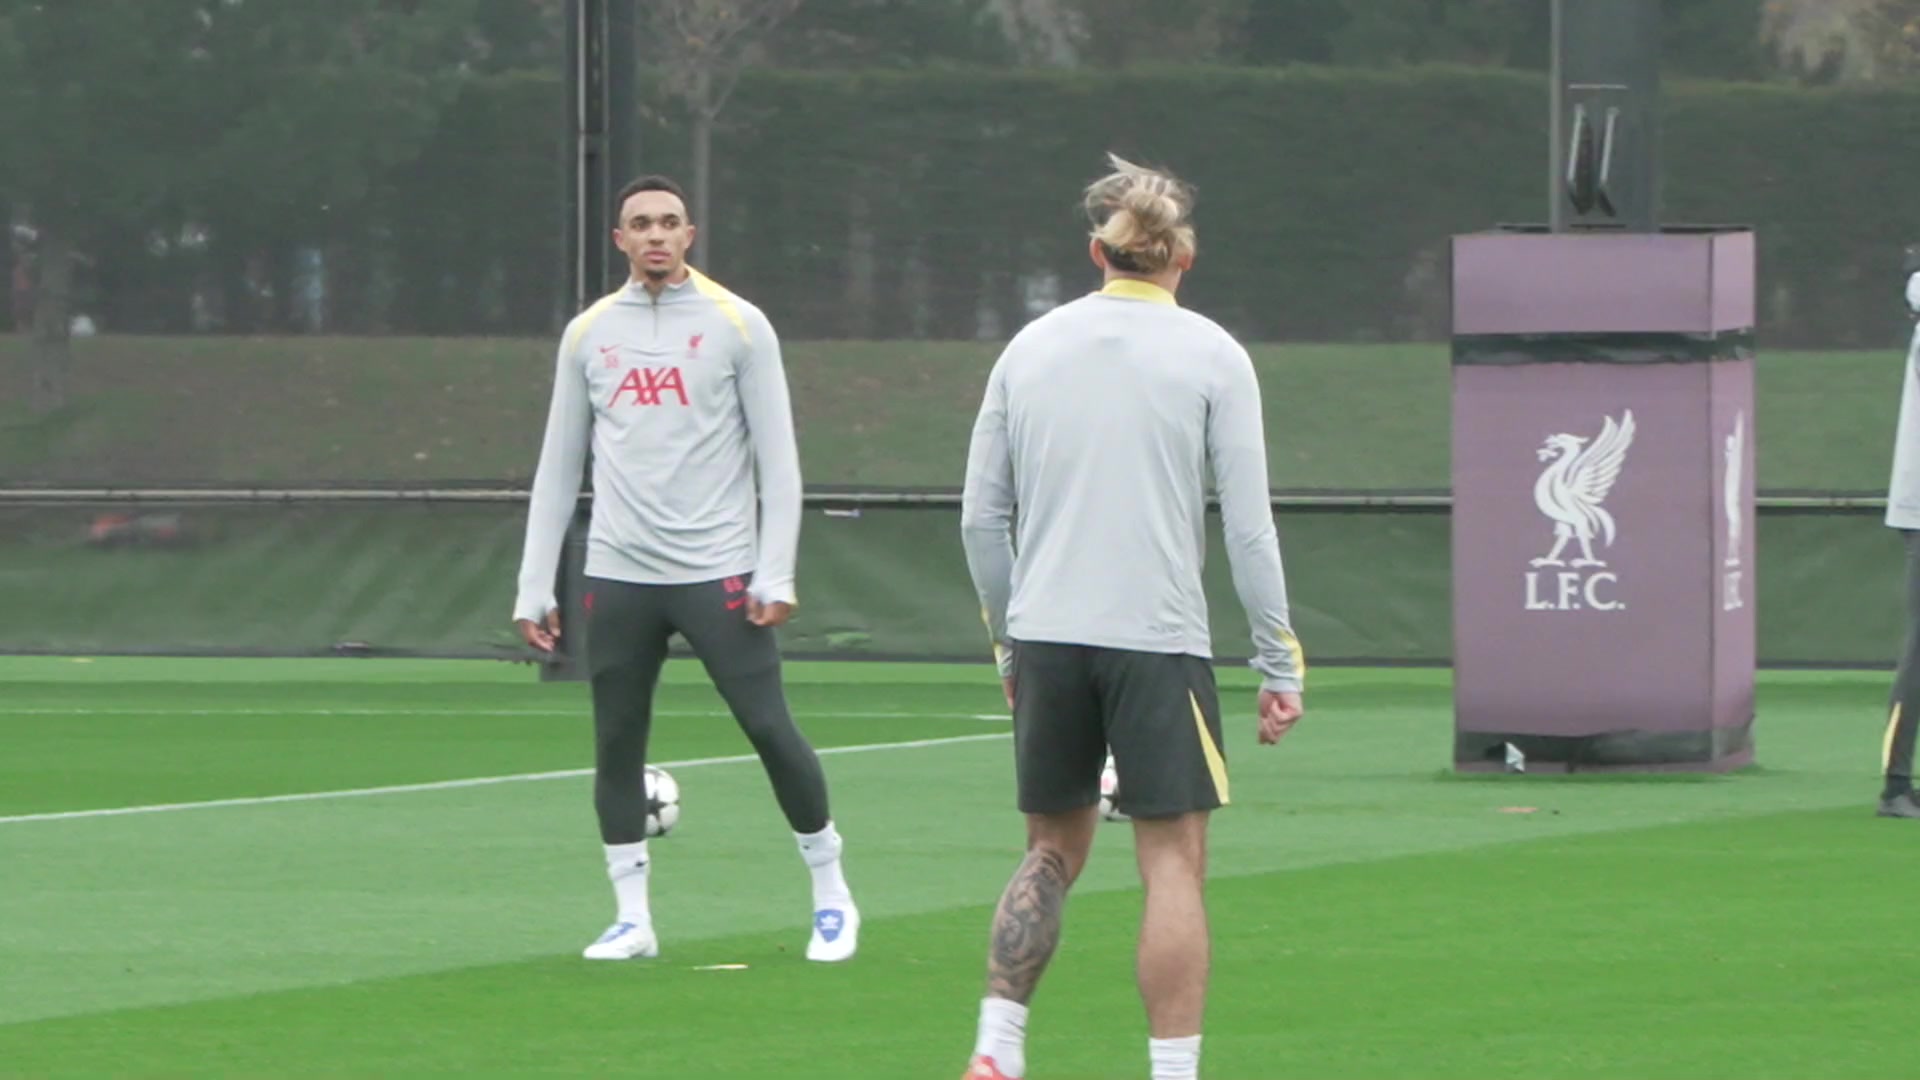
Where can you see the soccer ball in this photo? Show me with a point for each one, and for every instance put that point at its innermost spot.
(663, 801)
(1110, 792)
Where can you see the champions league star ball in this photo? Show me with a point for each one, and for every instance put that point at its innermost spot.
(663, 801)
(1110, 792)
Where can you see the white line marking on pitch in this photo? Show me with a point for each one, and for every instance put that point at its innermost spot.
(59, 711)
(478, 781)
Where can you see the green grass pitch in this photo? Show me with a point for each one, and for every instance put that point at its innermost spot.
(1374, 914)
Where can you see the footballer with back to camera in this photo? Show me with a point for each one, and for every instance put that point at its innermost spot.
(1099, 426)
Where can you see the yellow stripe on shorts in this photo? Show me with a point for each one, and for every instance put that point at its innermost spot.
(1216, 765)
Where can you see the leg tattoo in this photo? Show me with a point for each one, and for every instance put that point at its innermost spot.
(1026, 928)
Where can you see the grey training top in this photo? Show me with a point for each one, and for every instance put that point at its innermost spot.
(680, 397)
(1100, 423)
(1903, 487)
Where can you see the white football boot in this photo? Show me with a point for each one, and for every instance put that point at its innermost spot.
(836, 934)
(624, 941)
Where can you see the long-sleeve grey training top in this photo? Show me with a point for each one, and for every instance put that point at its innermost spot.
(1100, 423)
(681, 398)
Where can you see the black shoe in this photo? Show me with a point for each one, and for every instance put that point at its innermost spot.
(1902, 805)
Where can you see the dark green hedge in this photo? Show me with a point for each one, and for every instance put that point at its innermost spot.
(924, 203)
(475, 224)
(1327, 195)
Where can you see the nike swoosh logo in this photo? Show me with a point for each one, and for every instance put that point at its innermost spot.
(735, 605)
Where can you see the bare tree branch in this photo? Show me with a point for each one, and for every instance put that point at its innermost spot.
(1848, 41)
(1041, 31)
(715, 36)
(702, 47)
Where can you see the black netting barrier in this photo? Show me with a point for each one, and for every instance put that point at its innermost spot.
(437, 579)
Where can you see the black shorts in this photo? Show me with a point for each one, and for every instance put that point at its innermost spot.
(1158, 713)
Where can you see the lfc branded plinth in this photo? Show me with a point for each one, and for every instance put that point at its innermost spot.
(1603, 434)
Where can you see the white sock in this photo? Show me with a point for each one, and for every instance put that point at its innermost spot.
(821, 851)
(1175, 1059)
(1003, 1036)
(628, 869)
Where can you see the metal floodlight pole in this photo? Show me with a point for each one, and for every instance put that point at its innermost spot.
(601, 151)
(602, 144)
(1556, 126)
(622, 59)
(579, 150)
(1604, 130)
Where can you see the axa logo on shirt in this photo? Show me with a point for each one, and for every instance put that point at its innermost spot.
(650, 386)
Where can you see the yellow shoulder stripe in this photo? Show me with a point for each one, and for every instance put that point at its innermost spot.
(721, 298)
(587, 319)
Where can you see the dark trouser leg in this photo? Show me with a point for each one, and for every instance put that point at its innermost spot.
(744, 662)
(1903, 717)
(626, 647)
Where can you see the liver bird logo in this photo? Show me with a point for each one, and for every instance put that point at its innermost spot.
(1572, 490)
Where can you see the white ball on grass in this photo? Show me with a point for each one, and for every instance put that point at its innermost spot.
(663, 801)
(1110, 792)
